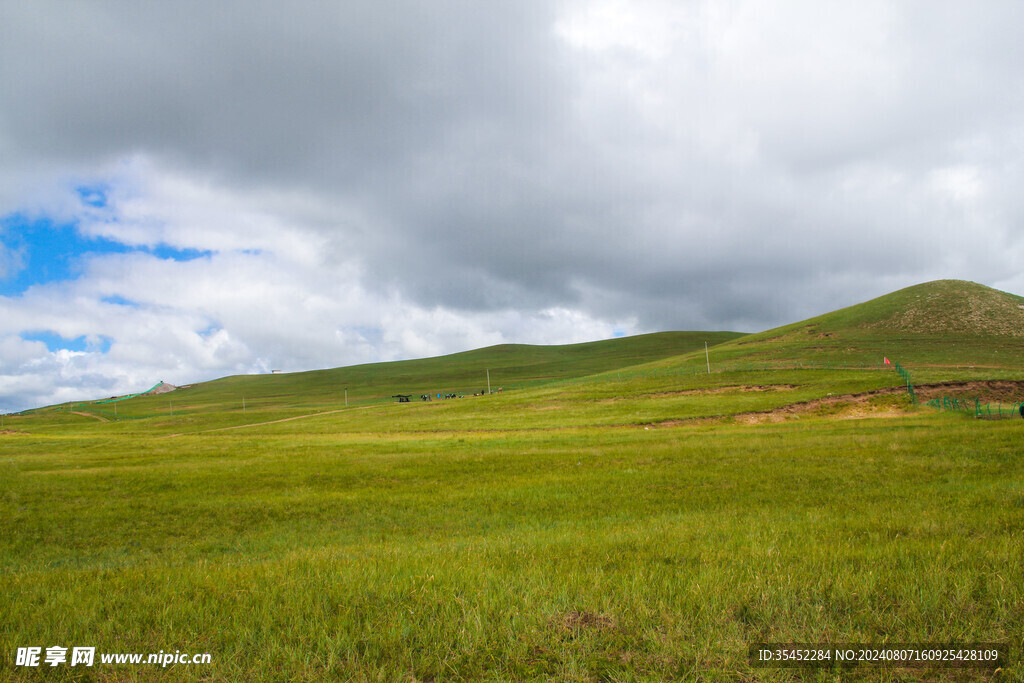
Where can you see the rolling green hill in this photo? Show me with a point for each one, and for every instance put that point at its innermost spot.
(942, 330)
(945, 323)
(509, 366)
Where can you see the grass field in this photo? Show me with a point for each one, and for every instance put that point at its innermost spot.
(598, 520)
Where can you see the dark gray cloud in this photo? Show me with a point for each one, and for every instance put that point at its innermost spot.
(686, 165)
(310, 93)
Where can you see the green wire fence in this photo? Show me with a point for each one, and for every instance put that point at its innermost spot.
(985, 411)
(905, 374)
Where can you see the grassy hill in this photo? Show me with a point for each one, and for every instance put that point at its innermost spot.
(944, 330)
(509, 366)
(946, 323)
(604, 520)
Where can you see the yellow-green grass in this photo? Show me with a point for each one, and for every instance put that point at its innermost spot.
(613, 553)
(509, 366)
(634, 397)
(604, 518)
(940, 331)
(946, 324)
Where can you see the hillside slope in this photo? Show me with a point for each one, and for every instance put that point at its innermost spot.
(508, 365)
(943, 308)
(945, 323)
(943, 330)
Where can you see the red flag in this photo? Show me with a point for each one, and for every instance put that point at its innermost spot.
(886, 360)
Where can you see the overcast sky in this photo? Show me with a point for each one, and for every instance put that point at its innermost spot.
(195, 189)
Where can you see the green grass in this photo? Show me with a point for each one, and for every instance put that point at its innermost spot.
(947, 323)
(510, 366)
(609, 516)
(465, 556)
(637, 397)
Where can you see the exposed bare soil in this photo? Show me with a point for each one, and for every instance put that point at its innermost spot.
(162, 389)
(1005, 390)
(700, 392)
(574, 621)
(95, 417)
(867, 404)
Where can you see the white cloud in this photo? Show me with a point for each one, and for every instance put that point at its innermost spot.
(267, 297)
(11, 262)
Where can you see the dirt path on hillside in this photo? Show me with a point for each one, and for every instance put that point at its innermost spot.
(854, 406)
(269, 422)
(846, 406)
(727, 389)
(95, 417)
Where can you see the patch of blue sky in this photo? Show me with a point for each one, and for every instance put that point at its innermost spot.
(54, 342)
(167, 253)
(93, 195)
(47, 251)
(119, 301)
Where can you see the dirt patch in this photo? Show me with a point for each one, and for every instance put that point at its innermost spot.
(881, 412)
(702, 392)
(161, 388)
(576, 621)
(5, 432)
(757, 418)
(987, 391)
(92, 415)
(836, 411)
(872, 403)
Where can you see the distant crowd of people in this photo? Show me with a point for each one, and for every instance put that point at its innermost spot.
(444, 396)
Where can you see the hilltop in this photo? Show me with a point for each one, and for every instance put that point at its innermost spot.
(942, 307)
(941, 323)
(939, 308)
